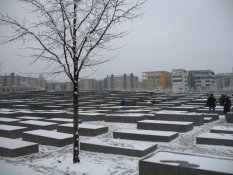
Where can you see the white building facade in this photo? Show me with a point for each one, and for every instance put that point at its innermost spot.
(179, 81)
(125, 82)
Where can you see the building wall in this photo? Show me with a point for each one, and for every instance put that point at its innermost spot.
(127, 82)
(201, 80)
(179, 81)
(59, 86)
(224, 81)
(15, 83)
(87, 84)
(156, 80)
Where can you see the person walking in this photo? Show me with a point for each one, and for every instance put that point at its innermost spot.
(123, 103)
(226, 105)
(211, 102)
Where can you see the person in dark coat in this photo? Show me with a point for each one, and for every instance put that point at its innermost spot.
(226, 105)
(123, 103)
(153, 101)
(221, 100)
(211, 103)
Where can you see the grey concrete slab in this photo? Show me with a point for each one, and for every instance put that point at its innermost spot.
(45, 137)
(222, 129)
(84, 129)
(215, 139)
(8, 121)
(35, 124)
(14, 148)
(116, 146)
(213, 116)
(91, 116)
(60, 120)
(183, 108)
(125, 117)
(197, 119)
(165, 125)
(229, 117)
(208, 120)
(173, 163)
(145, 135)
(30, 118)
(10, 131)
(206, 110)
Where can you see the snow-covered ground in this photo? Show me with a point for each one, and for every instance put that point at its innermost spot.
(58, 161)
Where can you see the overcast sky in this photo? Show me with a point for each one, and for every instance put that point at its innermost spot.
(187, 34)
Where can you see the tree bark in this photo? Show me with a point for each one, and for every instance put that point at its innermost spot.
(76, 148)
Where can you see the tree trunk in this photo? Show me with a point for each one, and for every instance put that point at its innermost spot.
(75, 126)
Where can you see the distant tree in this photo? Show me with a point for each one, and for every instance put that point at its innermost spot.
(70, 34)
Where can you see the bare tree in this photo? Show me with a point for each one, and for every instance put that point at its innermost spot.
(70, 34)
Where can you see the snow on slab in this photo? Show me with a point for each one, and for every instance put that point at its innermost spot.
(177, 112)
(219, 136)
(67, 125)
(60, 119)
(83, 125)
(4, 119)
(170, 112)
(38, 123)
(91, 113)
(121, 143)
(10, 127)
(147, 132)
(90, 126)
(30, 118)
(50, 134)
(6, 110)
(166, 122)
(184, 107)
(126, 115)
(223, 128)
(49, 111)
(197, 161)
(14, 143)
(135, 110)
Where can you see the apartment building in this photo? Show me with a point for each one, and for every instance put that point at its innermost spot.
(16, 83)
(126, 82)
(179, 81)
(156, 80)
(87, 84)
(201, 80)
(224, 81)
(59, 86)
(100, 85)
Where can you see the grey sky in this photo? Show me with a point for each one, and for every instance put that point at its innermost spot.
(188, 34)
